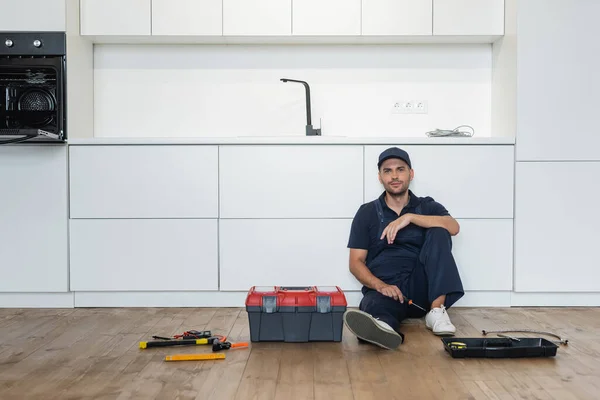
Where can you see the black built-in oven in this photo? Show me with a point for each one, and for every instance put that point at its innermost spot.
(32, 87)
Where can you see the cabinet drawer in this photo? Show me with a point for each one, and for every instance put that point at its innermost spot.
(144, 181)
(290, 181)
(470, 181)
(293, 252)
(145, 255)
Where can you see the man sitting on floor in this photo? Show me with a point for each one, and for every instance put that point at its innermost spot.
(400, 248)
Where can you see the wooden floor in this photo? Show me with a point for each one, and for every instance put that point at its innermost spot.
(94, 353)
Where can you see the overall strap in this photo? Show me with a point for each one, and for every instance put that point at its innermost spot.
(379, 210)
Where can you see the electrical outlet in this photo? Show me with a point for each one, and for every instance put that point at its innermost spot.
(410, 107)
(420, 107)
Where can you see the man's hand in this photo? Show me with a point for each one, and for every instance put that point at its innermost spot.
(391, 291)
(392, 229)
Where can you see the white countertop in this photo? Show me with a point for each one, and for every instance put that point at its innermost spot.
(296, 140)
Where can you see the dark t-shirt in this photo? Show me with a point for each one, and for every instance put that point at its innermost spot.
(390, 262)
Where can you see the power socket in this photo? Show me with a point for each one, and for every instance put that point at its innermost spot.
(410, 107)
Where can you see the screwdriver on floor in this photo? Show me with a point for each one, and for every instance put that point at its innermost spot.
(411, 303)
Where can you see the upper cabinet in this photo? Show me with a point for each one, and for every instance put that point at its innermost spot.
(262, 21)
(187, 17)
(397, 17)
(468, 17)
(32, 15)
(115, 17)
(257, 17)
(558, 84)
(326, 17)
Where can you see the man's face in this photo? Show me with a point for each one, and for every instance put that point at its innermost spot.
(395, 176)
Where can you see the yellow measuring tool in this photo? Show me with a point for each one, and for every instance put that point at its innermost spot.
(195, 357)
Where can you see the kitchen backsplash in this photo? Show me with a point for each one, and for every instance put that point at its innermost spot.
(235, 90)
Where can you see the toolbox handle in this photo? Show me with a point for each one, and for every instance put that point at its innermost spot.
(269, 304)
(323, 304)
(302, 288)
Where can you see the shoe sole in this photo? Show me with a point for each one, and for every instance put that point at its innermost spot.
(364, 327)
(443, 333)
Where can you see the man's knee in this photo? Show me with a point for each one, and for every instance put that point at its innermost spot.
(438, 235)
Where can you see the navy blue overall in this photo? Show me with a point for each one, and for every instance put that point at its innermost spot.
(419, 262)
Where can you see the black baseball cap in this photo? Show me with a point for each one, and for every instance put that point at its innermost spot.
(394, 152)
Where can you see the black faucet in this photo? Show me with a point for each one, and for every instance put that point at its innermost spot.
(310, 131)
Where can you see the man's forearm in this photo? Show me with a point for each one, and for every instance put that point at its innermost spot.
(432, 221)
(361, 272)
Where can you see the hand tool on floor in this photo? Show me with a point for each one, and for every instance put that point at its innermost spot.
(191, 334)
(180, 342)
(560, 339)
(222, 345)
(410, 302)
(195, 357)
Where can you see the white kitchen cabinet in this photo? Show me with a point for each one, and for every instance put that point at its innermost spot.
(278, 181)
(33, 218)
(293, 252)
(397, 17)
(468, 17)
(556, 227)
(326, 17)
(558, 85)
(471, 181)
(143, 255)
(32, 15)
(187, 17)
(483, 251)
(144, 181)
(313, 252)
(257, 17)
(115, 17)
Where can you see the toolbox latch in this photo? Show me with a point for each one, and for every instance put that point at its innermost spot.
(323, 304)
(269, 304)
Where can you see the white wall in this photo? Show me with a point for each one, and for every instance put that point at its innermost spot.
(191, 90)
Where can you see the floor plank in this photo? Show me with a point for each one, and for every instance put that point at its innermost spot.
(94, 353)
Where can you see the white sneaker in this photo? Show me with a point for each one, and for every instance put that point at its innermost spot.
(372, 330)
(439, 322)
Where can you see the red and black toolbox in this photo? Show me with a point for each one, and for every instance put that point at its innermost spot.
(295, 314)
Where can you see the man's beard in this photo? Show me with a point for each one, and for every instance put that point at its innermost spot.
(397, 194)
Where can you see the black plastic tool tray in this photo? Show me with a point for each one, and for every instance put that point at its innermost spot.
(500, 347)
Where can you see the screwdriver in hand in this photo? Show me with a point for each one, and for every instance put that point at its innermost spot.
(411, 303)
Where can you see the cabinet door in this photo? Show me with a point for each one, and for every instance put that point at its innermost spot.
(470, 181)
(483, 251)
(468, 17)
(187, 17)
(397, 17)
(556, 227)
(144, 181)
(257, 17)
(293, 252)
(33, 219)
(558, 84)
(32, 15)
(115, 17)
(290, 181)
(326, 17)
(143, 254)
